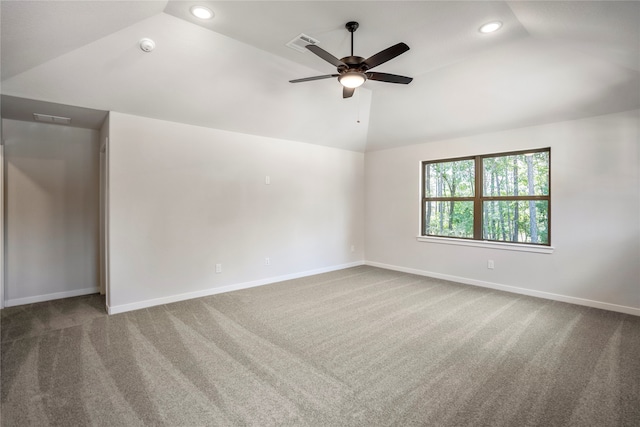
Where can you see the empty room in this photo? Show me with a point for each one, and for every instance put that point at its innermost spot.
(320, 213)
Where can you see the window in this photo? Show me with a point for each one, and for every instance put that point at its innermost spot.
(497, 197)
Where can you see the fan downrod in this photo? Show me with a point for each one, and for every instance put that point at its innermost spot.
(352, 26)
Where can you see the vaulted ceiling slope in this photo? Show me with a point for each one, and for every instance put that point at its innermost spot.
(551, 61)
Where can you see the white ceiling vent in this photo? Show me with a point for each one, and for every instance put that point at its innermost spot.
(301, 41)
(45, 118)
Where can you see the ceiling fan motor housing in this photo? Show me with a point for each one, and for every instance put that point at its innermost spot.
(354, 66)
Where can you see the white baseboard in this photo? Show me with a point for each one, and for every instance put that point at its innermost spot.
(229, 288)
(49, 297)
(513, 289)
(213, 291)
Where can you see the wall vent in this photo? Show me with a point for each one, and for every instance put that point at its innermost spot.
(301, 41)
(45, 118)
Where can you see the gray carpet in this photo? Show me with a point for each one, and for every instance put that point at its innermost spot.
(357, 347)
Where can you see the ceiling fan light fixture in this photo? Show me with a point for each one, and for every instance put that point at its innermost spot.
(491, 27)
(352, 79)
(201, 12)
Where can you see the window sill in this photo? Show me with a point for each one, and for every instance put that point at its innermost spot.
(518, 247)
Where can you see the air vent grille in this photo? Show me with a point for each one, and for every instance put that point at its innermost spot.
(46, 118)
(301, 41)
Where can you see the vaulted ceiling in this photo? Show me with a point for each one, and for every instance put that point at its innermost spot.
(551, 61)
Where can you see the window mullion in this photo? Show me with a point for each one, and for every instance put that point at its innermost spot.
(477, 203)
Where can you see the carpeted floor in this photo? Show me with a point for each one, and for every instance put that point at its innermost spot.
(357, 347)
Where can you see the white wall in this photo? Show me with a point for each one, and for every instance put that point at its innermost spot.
(183, 198)
(595, 207)
(52, 211)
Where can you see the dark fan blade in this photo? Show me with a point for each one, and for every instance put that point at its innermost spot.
(389, 78)
(385, 55)
(308, 79)
(347, 92)
(326, 55)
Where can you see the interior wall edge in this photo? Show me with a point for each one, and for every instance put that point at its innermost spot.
(2, 221)
(512, 289)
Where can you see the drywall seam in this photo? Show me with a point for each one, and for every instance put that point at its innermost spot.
(512, 289)
(229, 288)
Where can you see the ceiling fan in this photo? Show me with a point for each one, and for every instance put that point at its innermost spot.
(353, 71)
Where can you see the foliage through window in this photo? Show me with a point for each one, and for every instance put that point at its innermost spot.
(498, 197)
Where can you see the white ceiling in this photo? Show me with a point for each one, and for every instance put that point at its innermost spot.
(552, 61)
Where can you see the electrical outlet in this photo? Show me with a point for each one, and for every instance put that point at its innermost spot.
(267, 180)
(218, 268)
(267, 261)
(490, 264)
(353, 248)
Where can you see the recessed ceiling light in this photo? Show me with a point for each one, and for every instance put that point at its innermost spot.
(201, 12)
(491, 27)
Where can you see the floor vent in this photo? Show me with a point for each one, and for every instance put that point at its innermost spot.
(301, 41)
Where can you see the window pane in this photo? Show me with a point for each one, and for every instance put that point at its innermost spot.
(516, 175)
(449, 179)
(454, 219)
(524, 221)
